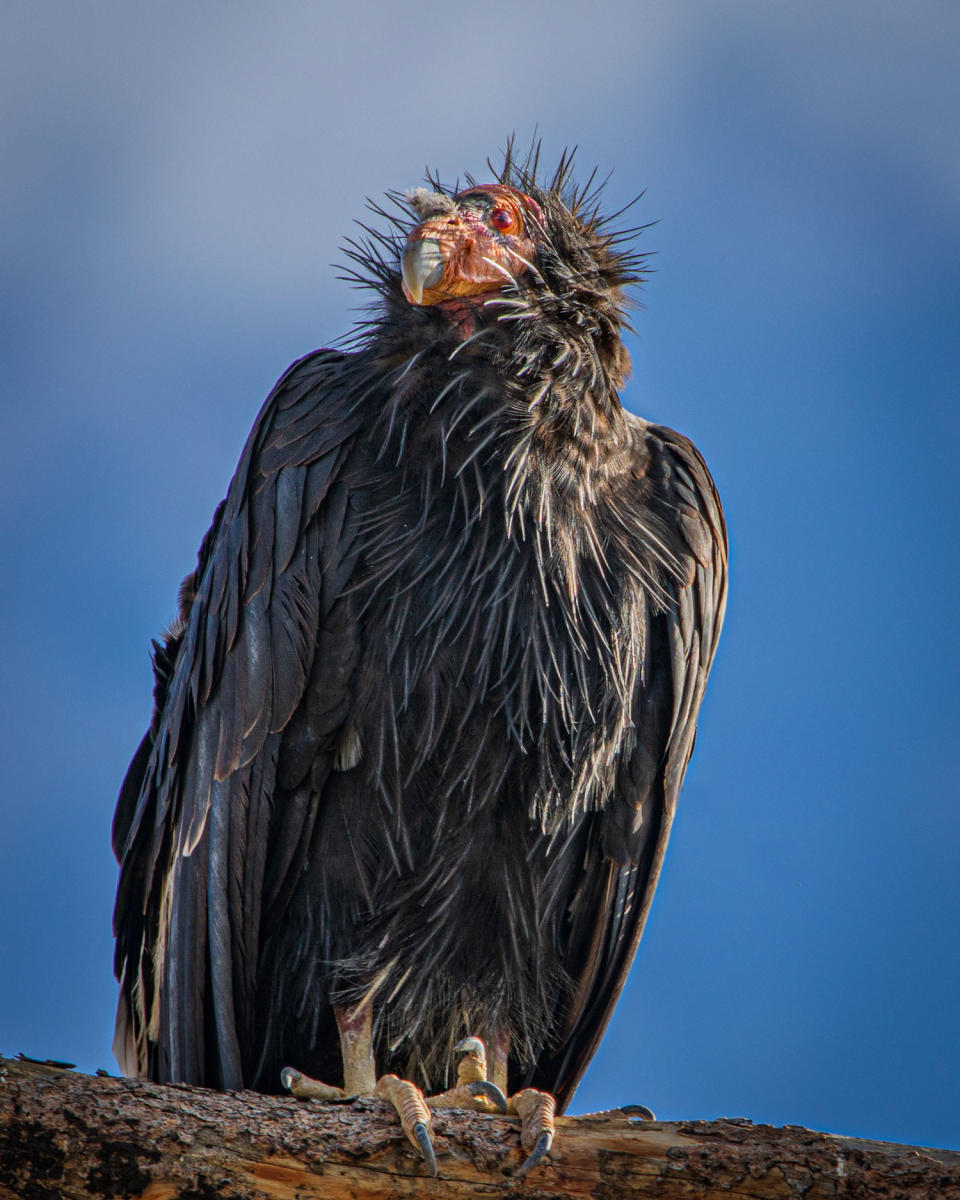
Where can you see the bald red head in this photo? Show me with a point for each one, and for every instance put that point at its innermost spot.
(479, 245)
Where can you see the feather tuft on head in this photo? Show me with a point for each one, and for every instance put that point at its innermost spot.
(426, 203)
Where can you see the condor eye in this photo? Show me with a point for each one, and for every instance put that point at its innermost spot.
(504, 219)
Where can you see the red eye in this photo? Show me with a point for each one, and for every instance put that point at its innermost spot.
(503, 219)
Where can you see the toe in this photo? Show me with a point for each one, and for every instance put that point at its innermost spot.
(305, 1088)
(535, 1110)
(413, 1112)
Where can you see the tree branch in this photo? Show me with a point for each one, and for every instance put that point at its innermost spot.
(64, 1136)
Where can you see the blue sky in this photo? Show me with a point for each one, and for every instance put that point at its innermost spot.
(176, 185)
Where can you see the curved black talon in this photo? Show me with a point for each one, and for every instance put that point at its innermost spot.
(537, 1155)
(638, 1110)
(490, 1091)
(422, 1134)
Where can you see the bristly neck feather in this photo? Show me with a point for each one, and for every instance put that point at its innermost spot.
(531, 374)
(506, 426)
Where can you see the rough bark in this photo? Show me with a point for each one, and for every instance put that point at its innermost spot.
(64, 1135)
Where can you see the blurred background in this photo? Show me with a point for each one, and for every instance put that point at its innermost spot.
(175, 183)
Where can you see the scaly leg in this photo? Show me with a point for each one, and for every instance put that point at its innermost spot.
(355, 1026)
(472, 1089)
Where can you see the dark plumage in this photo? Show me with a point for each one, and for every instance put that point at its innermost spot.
(421, 723)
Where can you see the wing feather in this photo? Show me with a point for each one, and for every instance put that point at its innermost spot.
(195, 816)
(610, 885)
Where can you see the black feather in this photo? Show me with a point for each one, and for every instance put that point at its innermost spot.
(422, 720)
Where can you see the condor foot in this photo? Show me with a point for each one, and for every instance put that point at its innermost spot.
(537, 1131)
(411, 1106)
(406, 1098)
(473, 1090)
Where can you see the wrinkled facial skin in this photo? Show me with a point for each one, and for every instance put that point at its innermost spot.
(475, 249)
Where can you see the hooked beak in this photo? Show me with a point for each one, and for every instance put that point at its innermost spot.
(422, 268)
